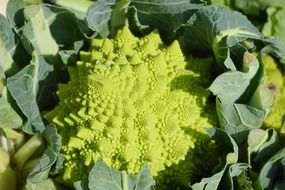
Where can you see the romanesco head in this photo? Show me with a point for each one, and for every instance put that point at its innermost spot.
(131, 101)
(274, 80)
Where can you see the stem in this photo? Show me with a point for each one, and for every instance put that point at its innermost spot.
(27, 150)
(4, 161)
(19, 142)
(8, 179)
(28, 167)
(3, 141)
(124, 180)
(249, 157)
(119, 15)
(11, 146)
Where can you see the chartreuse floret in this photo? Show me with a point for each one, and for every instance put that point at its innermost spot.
(275, 81)
(131, 101)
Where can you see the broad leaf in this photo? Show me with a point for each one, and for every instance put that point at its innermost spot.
(144, 180)
(63, 27)
(105, 16)
(236, 176)
(15, 13)
(81, 185)
(102, 177)
(262, 98)
(210, 183)
(255, 139)
(224, 140)
(43, 185)
(167, 16)
(7, 45)
(25, 89)
(243, 100)
(275, 25)
(272, 173)
(36, 29)
(213, 29)
(52, 138)
(2, 81)
(275, 47)
(57, 26)
(267, 148)
(41, 171)
(70, 56)
(8, 117)
(49, 158)
(79, 10)
(237, 118)
(229, 86)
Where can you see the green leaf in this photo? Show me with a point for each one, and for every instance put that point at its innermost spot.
(70, 56)
(253, 67)
(236, 118)
(210, 183)
(272, 173)
(213, 29)
(49, 158)
(36, 29)
(2, 81)
(275, 47)
(57, 168)
(14, 13)
(7, 45)
(225, 140)
(25, 89)
(104, 178)
(105, 16)
(231, 149)
(167, 16)
(79, 9)
(236, 176)
(43, 185)
(275, 25)
(268, 148)
(41, 171)
(279, 185)
(64, 27)
(228, 172)
(81, 185)
(243, 100)
(229, 64)
(58, 26)
(256, 138)
(234, 85)
(237, 169)
(52, 137)
(229, 86)
(8, 117)
(262, 98)
(144, 180)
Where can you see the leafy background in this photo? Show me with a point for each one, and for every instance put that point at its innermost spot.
(31, 67)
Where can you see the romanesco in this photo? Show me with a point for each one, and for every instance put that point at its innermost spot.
(273, 78)
(131, 101)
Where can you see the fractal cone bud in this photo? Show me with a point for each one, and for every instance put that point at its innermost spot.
(134, 100)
